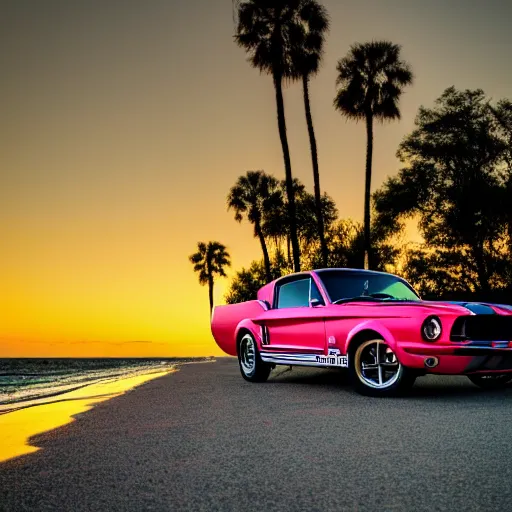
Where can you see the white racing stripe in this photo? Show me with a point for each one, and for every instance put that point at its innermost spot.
(305, 359)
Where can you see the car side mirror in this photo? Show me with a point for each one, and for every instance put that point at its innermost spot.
(315, 303)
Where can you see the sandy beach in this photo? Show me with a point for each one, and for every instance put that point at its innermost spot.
(20, 421)
(204, 439)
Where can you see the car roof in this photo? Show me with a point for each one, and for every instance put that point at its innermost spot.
(320, 271)
(358, 270)
(266, 293)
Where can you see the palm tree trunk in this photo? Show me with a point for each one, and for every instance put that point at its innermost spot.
(288, 249)
(210, 293)
(316, 173)
(367, 190)
(266, 258)
(281, 121)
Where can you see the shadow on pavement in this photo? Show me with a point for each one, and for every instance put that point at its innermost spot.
(430, 386)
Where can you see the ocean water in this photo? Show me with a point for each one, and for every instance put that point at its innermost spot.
(28, 380)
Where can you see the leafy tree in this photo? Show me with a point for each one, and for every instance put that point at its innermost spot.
(452, 275)
(307, 54)
(277, 228)
(456, 180)
(307, 227)
(246, 282)
(371, 79)
(254, 196)
(345, 242)
(435, 272)
(346, 246)
(209, 261)
(267, 31)
(503, 116)
(307, 214)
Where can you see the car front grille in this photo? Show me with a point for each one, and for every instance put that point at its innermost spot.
(482, 328)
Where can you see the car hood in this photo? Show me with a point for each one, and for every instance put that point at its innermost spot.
(482, 308)
(442, 307)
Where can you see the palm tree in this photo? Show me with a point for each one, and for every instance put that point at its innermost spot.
(275, 226)
(210, 260)
(306, 58)
(266, 31)
(254, 195)
(371, 78)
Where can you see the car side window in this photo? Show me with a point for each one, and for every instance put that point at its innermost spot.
(294, 294)
(297, 294)
(315, 293)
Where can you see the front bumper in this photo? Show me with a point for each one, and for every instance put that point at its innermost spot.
(454, 359)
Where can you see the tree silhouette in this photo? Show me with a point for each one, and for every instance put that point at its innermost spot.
(246, 282)
(253, 196)
(266, 31)
(210, 260)
(371, 79)
(307, 54)
(307, 221)
(276, 227)
(503, 116)
(346, 245)
(456, 180)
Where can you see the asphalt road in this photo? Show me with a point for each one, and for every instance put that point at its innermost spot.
(204, 439)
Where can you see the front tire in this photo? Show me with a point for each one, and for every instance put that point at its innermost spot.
(491, 380)
(376, 371)
(252, 368)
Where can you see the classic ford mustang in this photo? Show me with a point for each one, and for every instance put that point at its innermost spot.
(372, 323)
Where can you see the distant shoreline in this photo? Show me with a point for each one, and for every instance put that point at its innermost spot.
(27, 382)
(20, 424)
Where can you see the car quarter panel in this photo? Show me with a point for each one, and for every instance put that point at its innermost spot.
(227, 320)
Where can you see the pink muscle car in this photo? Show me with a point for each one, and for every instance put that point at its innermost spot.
(372, 323)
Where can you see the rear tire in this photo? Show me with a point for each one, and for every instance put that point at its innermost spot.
(252, 368)
(491, 381)
(375, 370)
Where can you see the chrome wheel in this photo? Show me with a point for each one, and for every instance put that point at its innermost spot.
(376, 365)
(252, 368)
(247, 355)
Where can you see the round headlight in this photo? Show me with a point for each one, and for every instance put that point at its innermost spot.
(431, 328)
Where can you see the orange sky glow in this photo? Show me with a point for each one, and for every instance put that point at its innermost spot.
(125, 123)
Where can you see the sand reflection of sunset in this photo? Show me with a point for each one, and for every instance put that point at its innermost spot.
(19, 426)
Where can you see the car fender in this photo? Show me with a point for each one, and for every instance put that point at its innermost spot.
(248, 325)
(371, 325)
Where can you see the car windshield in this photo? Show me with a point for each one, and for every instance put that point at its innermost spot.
(346, 285)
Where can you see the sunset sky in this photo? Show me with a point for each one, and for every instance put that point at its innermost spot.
(124, 124)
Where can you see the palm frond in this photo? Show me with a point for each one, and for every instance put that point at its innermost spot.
(371, 78)
(283, 38)
(210, 259)
(252, 196)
